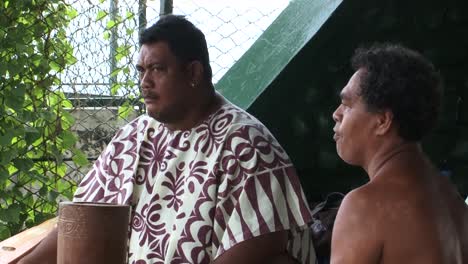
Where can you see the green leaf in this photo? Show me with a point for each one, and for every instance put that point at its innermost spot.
(18, 131)
(68, 138)
(20, 47)
(110, 24)
(23, 164)
(7, 155)
(43, 191)
(37, 176)
(5, 139)
(72, 13)
(31, 135)
(4, 231)
(52, 196)
(66, 103)
(61, 170)
(55, 66)
(11, 214)
(79, 158)
(106, 35)
(15, 98)
(41, 217)
(115, 88)
(4, 175)
(70, 59)
(68, 118)
(28, 115)
(19, 91)
(125, 110)
(48, 116)
(56, 152)
(129, 15)
(101, 14)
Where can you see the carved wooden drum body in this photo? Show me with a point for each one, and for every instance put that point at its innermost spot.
(92, 233)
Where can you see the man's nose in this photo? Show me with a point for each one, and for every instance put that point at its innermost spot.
(336, 115)
(145, 81)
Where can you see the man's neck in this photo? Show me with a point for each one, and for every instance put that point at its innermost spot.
(387, 154)
(208, 104)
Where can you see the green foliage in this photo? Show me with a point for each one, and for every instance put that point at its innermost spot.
(34, 124)
(121, 41)
(125, 110)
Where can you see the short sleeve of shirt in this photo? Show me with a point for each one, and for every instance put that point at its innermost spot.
(109, 180)
(259, 193)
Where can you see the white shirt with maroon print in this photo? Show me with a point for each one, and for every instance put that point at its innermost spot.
(197, 193)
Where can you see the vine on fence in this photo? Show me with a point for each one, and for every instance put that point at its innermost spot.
(34, 122)
(116, 31)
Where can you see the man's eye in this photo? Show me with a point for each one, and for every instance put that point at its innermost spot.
(156, 68)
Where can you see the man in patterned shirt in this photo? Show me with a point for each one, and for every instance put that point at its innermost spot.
(207, 182)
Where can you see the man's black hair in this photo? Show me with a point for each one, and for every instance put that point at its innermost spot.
(401, 80)
(185, 41)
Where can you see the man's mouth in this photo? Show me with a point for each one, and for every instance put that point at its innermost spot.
(335, 137)
(150, 98)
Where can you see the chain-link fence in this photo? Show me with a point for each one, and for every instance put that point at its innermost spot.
(98, 90)
(105, 37)
(105, 41)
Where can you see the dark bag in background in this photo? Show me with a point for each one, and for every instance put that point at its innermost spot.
(323, 218)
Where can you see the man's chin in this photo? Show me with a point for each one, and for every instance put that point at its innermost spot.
(154, 114)
(160, 117)
(342, 155)
(347, 160)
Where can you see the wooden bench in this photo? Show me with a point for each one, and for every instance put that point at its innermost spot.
(18, 245)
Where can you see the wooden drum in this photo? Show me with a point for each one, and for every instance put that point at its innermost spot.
(92, 233)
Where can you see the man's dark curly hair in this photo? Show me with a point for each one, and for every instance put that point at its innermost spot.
(184, 39)
(401, 80)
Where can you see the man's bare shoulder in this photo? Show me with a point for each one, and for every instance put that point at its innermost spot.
(357, 235)
(368, 196)
(377, 207)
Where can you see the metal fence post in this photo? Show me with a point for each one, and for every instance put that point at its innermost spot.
(141, 16)
(114, 10)
(166, 7)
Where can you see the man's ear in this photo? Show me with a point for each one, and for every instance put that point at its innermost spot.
(384, 122)
(195, 73)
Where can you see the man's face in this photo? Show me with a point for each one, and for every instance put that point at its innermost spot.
(165, 84)
(353, 123)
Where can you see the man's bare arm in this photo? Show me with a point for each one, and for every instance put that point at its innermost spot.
(356, 236)
(45, 252)
(269, 248)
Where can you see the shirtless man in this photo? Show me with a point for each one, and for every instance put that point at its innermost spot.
(407, 212)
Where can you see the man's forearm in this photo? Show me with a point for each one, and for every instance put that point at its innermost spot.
(45, 252)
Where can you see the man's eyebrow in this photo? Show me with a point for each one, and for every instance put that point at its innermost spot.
(149, 66)
(344, 96)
